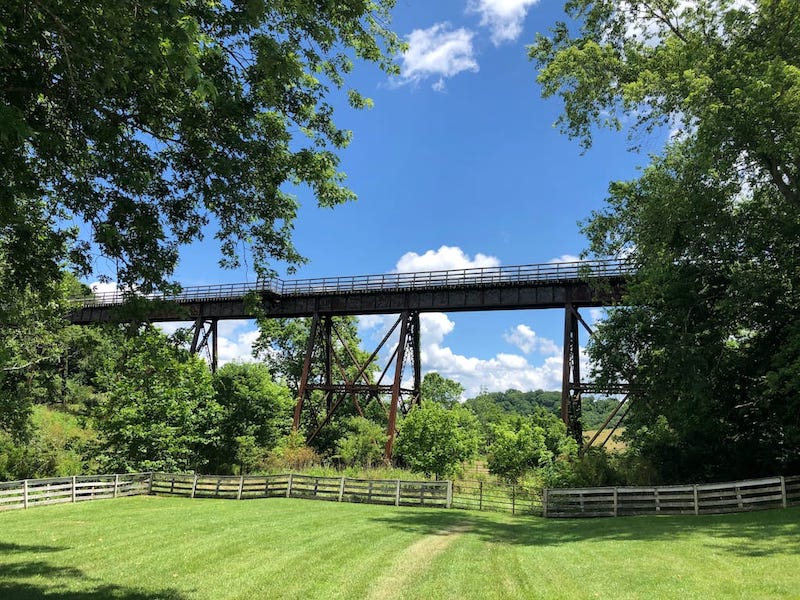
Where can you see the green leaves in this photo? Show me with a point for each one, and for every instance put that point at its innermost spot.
(148, 121)
(712, 223)
(436, 440)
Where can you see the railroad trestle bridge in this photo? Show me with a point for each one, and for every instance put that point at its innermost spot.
(568, 286)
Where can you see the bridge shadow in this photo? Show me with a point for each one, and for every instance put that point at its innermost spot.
(753, 534)
(42, 579)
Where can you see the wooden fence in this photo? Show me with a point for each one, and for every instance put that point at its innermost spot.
(25, 493)
(774, 492)
(482, 495)
(337, 489)
(712, 498)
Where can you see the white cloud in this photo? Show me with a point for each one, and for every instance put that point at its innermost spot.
(235, 341)
(504, 18)
(565, 258)
(104, 287)
(502, 372)
(445, 258)
(525, 338)
(438, 51)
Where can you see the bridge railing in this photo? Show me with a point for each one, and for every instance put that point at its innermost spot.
(520, 274)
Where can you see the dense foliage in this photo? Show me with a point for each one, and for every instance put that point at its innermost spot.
(709, 328)
(149, 121)
(436, 440)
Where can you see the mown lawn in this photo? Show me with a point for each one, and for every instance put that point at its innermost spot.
(149, 547)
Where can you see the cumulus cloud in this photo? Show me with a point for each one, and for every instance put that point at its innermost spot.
(504, 18)
(499, 373)
(439, 51)
(565, 258)
(525, 338)
(104, 287)
(446, 257)
(234, 342)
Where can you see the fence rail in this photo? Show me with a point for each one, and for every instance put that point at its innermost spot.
(25, 493)
(712, 498)
(337, 489)
(480, 495)
(511, 275)
(737, 496)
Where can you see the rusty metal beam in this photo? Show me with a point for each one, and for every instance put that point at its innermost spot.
(391, 429)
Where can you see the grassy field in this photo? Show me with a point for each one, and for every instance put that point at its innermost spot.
(148, 547)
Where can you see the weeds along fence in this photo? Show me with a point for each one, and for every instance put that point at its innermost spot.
(58, 490)
(712, 498)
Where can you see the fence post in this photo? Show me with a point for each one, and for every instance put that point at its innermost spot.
(616, 502)
(480, 495)
(513, 499)
(696, 502)
(449, 493)
(150, 484)
(783, 492)
(116, 484)
(241, 486)
(289, 486)
(341, 489)
(397, 493)
(25, 494)
(194, 486)
(74, 493)
(544, 502)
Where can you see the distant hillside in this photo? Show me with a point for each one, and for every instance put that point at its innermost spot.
(491, 406)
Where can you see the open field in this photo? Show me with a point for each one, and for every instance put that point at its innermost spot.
(615, 443)
(174, 548)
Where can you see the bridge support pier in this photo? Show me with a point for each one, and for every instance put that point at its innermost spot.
(332, 373)
(204, 337)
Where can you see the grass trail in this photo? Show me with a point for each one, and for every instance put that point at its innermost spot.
(180, 549)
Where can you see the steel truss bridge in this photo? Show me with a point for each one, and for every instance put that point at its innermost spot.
(568, 286)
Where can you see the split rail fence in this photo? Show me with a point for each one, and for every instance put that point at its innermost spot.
(739, 496)
(337, 489)
(483, 495)
(58, 490)
(711, 498)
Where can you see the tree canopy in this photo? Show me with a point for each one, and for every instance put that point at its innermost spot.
(436, 440)
(150, 123)
(709, 327)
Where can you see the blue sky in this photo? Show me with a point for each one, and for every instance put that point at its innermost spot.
(457, 164)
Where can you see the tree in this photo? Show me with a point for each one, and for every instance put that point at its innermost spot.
(708, 327)
(151, 121)
(160, 412)
(33, 337)
(363, 444)
(255, 412)
(436, 440)
(517, 447)
(283, 343)
(440, 389)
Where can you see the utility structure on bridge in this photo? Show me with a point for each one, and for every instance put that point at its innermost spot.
(568, 286)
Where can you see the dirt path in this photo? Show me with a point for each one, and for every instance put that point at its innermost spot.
(413, 561)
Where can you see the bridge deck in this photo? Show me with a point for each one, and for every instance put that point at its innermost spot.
(551, 285)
